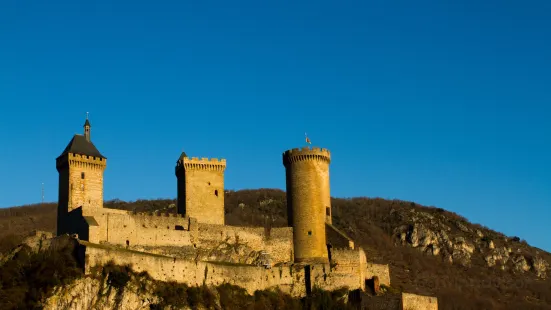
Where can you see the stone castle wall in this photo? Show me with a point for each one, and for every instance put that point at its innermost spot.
(289, 279)
(279, 242)
(141, 229)
(336, 238)
(127, 229)
(308, 201)
(350, 262)
(165, 268)
(379, 270)
(418, 302)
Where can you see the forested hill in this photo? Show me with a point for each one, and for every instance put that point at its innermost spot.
(430, 250)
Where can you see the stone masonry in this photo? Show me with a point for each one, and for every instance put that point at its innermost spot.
(308, 201)
(195, 247)
(201, 188)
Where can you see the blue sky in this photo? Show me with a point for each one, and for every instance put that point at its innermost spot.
(441, 103)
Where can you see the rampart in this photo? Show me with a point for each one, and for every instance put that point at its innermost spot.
(125, 228)
(346, 262)
(379, 270)
(278, 242)
(337, 238)
(290, 279)
(165, 268)
(140, 229)
(418, 302)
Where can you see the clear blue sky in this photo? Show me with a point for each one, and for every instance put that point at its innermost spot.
(445, 103)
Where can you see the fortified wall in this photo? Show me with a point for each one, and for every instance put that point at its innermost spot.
(378, 270)
(297, 279)
(418, 302)
(132, 230)
(195, 247)
(345, 262)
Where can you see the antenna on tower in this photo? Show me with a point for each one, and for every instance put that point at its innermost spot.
(87, 114)
(42, 193)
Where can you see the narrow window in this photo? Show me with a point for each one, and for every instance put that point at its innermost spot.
(82, 175)
(216, 192)
(327, 211)
(309, 233)
(179, 227)
(127, 243)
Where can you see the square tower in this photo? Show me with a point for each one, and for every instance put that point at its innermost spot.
(201, 188)
(80, 167)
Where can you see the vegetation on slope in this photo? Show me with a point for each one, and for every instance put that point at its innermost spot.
(28, 276)
(375, 224)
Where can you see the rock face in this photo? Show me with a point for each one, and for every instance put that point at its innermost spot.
(95, 293)
(430, 234)
(88, 293)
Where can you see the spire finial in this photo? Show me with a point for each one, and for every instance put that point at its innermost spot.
(87, 128)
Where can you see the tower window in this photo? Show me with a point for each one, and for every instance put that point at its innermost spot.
(327, 211)
(309, 233)
(216, 192)
(82, 175)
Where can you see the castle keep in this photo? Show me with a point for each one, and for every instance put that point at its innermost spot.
(80, 168)
(194, 246)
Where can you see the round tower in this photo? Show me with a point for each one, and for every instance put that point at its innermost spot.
(308, 201)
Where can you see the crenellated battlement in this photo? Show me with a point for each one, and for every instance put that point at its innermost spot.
(81, 161)
(306, 154)
(157, 214)
(208, 164)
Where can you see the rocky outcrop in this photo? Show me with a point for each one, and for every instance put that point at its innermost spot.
(420, 236)
(540, 267)
(109, 294)
(432, 234)
(90, 293)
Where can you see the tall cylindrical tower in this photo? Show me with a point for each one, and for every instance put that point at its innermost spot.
(308, 201)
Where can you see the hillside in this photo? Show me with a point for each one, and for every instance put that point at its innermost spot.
(431, 251)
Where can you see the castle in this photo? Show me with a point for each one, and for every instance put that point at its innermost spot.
(195, 246)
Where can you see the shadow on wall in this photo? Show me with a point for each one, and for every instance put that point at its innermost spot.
(75, 223)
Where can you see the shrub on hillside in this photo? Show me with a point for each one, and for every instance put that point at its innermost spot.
(29, 277)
